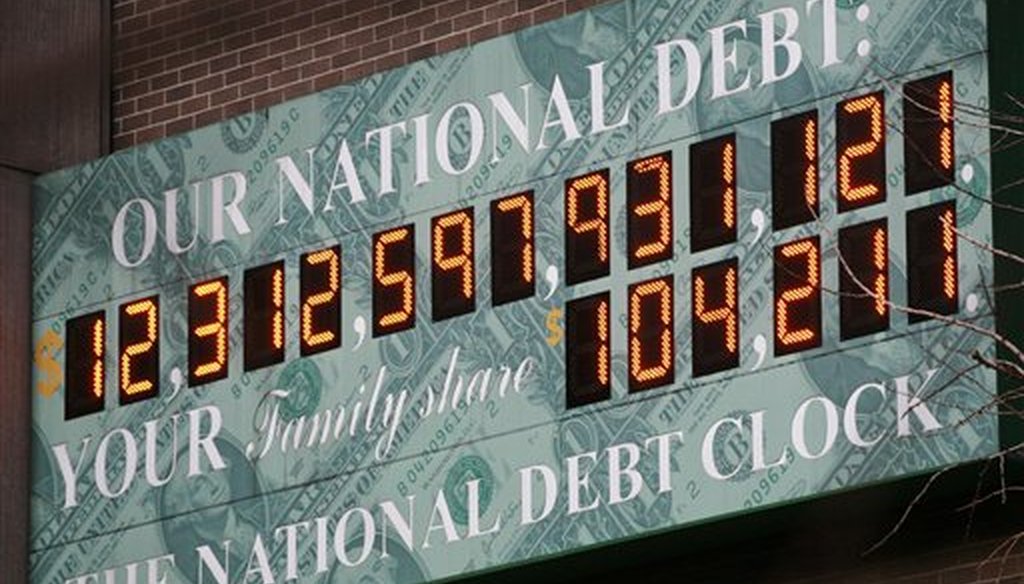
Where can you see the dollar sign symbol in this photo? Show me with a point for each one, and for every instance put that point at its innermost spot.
(50, 376)
(555, 327)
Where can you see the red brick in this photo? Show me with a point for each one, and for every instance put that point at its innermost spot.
(150, 101)
(284, 77)
(238, 41)
(422, 18)
(253, 86)
(195, 71)
(222, 63)
(267, 66)
(135, 122)
(238, 75)
(165, 113)
(208, 117)
(404, 7)
(437, 30)
(548, 13)
(178, 126)
(452, 42)
(164, 81)
(254, 53)
(297, 89)
(406, 40)
(223, 96)
(420, 52)
(297, 56)
(237, 108)
(314, 68)
(265, 100)
(209, 84)
(284, 44)
(149, 134)
(515, 23)
(179, 93)
(196, 104)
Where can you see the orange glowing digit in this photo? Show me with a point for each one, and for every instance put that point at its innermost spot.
(946, 117)
(524, 205)
(311, 338)
(598, 224)
(949, 276)
(729, 178)
(784, 334)
(848, 192)
(400, 278)
(217, 328)
(726, 314)
(145, 309)
(97, 353)
(811, 157)
(277, 332)
(642, 375)
(881, 286)
(660, 205)
(603, 346)
(463, 259)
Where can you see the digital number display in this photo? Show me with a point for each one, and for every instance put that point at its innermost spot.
(713, 193)
(863, 265)
(649, 204)
(795, 193)
(453, 265)
(208, 332)
(588, 350)
(139, 349)
(864, 279)
(320, 298)
(860, 151)
(651, 334)
(797, 296)
(928, 133)
(932, 260)
(587, 227)
(512, 248)
(716, 322)
(394, 280)
(84, 365)
(264, 316)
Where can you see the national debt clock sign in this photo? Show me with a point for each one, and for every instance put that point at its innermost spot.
(651, 264)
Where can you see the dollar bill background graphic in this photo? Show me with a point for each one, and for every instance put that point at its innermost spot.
(74, 272)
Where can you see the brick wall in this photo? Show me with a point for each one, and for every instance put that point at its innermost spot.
(182, 64)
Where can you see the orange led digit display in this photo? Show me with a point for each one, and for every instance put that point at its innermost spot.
(929, 146)
(651, 334)
(588, 350)
(139, 349)
(795, 170)
(453, 272)
(860, 151)
(320, 299)
(84, 365)
(933, 279)
(713, 193)
(716, 322)
(394, 280)
(863, 279)
(512, 251)
(208, 332)
(649, 204)
(797, 296)
(264, 316)
(586, 227)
